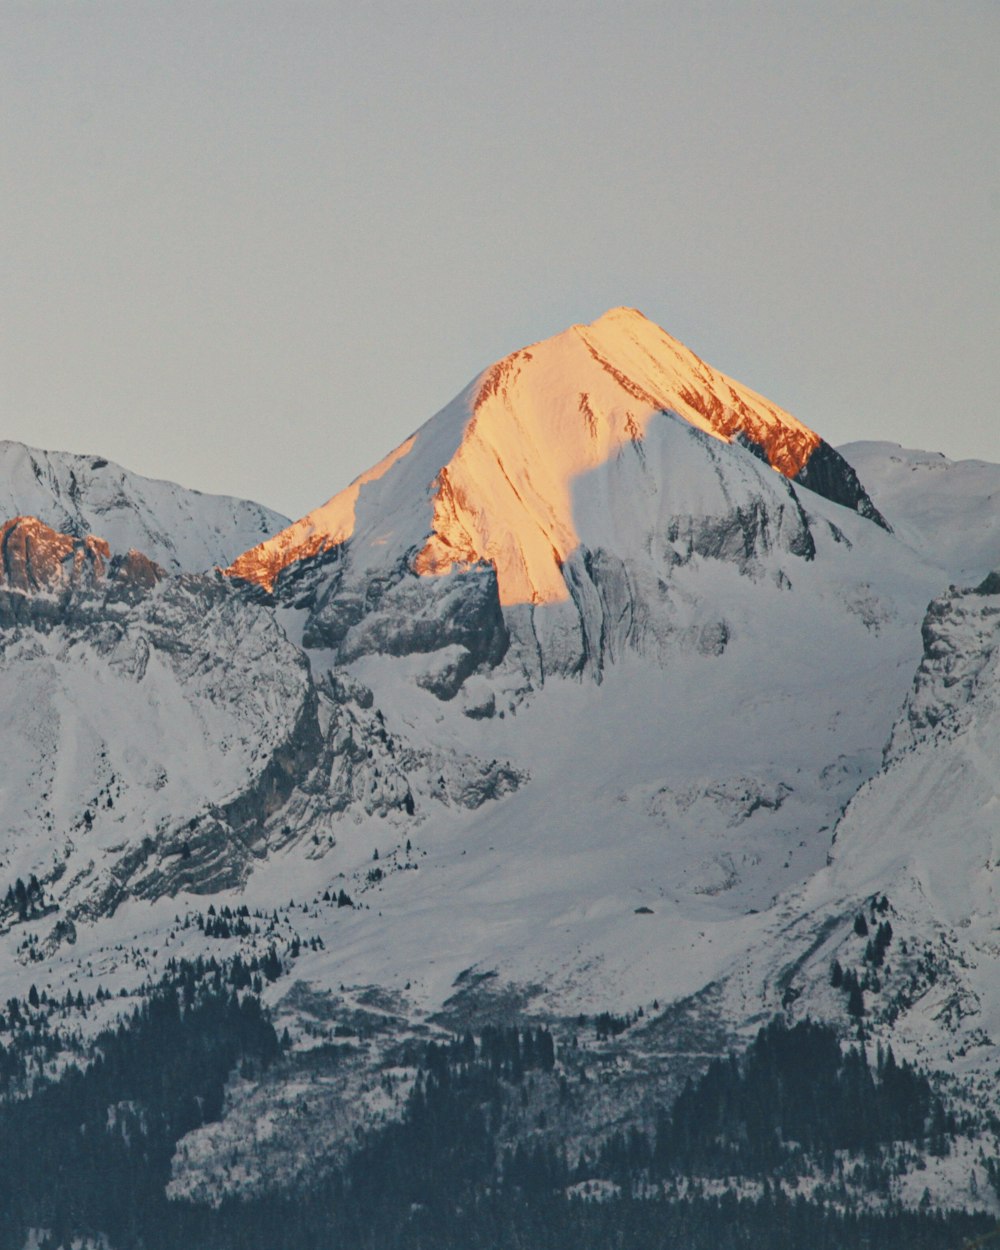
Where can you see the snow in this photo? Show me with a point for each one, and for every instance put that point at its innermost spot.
(182, 530)
(492, 477)
(947, 510)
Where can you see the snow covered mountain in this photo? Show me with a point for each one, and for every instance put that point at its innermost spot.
(576, 475)
(182, 530)
(948, 510)
(494, 476)
(577, 703)
(602, 505)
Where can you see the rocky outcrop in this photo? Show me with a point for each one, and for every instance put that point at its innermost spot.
(402, 614)
(828, 474)
(47, 578)
(35, 557)
(961, 636)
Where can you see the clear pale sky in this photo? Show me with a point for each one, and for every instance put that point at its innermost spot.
(251, 247)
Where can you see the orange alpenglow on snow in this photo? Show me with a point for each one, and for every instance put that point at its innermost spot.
(320, 530)
(516, 441)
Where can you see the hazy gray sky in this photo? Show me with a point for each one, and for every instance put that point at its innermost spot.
(251, 247)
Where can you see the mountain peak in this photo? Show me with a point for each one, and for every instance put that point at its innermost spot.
(622, 314)
(493, 477)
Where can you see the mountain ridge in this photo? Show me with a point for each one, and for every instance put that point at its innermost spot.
(182, 530)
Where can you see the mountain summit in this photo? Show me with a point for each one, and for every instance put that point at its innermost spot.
(497, 476)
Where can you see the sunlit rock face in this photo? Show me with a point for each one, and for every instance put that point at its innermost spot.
(562, 488)
(35, 557)
(49, 577)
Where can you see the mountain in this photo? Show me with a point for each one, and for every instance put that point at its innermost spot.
(181, 530)
(945, 509)
(574, 474)
(496, 477)
(607, 709)
(922, 833)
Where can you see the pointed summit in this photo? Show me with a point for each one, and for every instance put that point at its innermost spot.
(491, 478)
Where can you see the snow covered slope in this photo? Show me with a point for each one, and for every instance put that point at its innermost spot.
(948, 510)
(182, 530)
(924, 830)
(135, 760)
(914, 863)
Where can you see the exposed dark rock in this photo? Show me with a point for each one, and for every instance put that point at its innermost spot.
(484, 710)
(137, 570)
(345, 688)
(828, 474)
(743, 439)
(990, 585)
(746, 534)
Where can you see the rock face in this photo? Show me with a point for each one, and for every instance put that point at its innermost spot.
(47, 577)
(961, 634)
(35, 557)
(460, 613)
(827, 473)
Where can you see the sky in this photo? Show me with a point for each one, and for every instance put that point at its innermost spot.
(250, 247)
